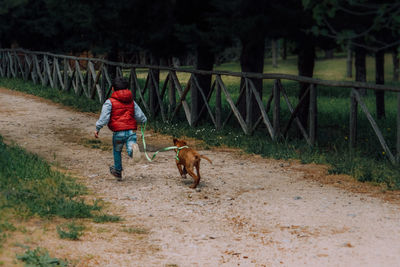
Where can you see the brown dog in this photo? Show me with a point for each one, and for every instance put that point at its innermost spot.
(188, 158)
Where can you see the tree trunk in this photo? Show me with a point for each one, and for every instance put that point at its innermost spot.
(349, 61)
(154, 85)
(380, 79)
(252, 60)
(361, 74)
(205, 61)
(306, 60)
(396, 70)
(113, 56)
(284, 50)
(274, 50)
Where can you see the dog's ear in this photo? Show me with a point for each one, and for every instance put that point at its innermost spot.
(184, 143)
(175, 140)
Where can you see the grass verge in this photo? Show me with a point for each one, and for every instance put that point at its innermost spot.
(359, 165)
(70, 230)
(29, 187)
(40, 257)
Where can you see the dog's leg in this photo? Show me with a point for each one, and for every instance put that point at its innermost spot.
(181, 172)
(197, 165)
(195, 178)
(184, 172)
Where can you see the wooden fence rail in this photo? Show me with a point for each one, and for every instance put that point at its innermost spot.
(166, 98)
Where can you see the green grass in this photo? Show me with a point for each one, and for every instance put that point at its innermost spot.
(102, 218)
(39, 257)
(29, 186)
(70, 230)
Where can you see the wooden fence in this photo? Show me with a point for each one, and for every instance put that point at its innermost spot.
(166, 97)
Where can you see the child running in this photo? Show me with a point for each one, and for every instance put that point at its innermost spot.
(121, 113)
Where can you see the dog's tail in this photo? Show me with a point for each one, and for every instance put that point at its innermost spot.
(204, 157)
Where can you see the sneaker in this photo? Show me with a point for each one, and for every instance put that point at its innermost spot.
(136, 155)
(116, 173)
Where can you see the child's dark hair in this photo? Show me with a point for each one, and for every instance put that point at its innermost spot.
(120, 83)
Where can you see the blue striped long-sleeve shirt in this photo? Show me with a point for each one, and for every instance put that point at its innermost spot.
(106, 113)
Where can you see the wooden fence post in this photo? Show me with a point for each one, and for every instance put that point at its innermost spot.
(218, 108)
(171, 95)
(9, 64)
(19, 70)
(89, 79)
(2, 64)
(353, 120)
(103, 83)
(46, 73)
(65, 74)
(15, 67)
(194, 104)
(34, 75)
(132, 82)
(277, 109)
(249, 106)
(152, 94)
(398, 129)
(313, 114)
(27, 67)
(55, 79)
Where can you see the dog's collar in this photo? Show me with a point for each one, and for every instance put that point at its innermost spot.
(179, 149)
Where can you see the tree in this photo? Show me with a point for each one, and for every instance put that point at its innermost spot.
(194, 28)
(395, 59)
(46, 24)
(380, 79)
(7, 9)
(246, 22)
(294, 24)
(368, 25)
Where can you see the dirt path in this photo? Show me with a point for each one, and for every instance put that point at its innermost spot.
(250, 211)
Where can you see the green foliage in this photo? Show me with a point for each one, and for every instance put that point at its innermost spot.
(6, 226)
(70, 230)
(40, 257)
(29, 186)
(106, 218)
(7, 5)
(371, 24)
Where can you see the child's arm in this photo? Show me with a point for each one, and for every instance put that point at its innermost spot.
(104, 117)
(139, 115)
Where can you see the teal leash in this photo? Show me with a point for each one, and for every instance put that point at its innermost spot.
(143, 128)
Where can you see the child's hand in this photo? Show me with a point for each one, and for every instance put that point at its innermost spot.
(96, 134)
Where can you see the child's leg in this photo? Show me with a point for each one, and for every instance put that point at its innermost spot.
(130, 141)
(118, 143)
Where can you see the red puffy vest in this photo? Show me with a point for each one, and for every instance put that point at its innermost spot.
(122, 112)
